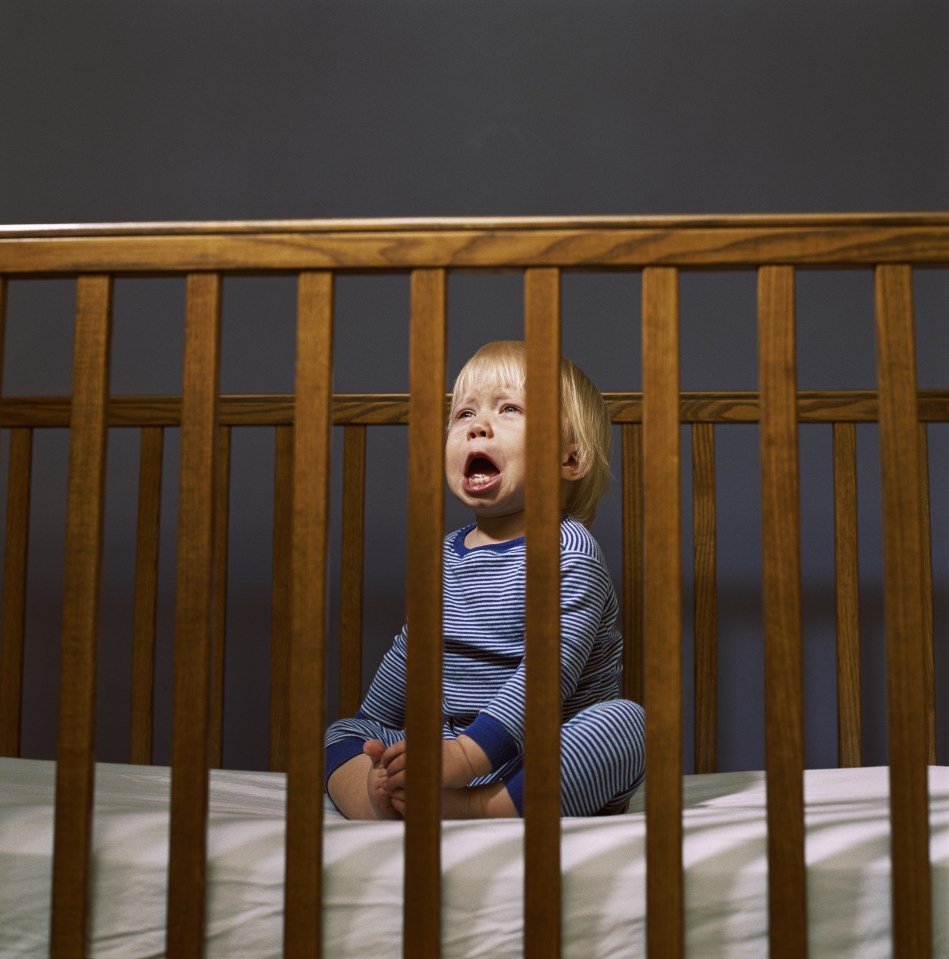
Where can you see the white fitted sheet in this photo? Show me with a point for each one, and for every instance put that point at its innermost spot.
(724, 855)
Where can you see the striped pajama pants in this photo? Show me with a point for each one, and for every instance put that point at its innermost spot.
(602, 758)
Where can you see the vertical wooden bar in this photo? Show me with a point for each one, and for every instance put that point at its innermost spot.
(75, 750)
(847, 595)
(784, 711)
(662, 601)
(542, 892)
(705, 597)
(422, 929)
(280, 596)
(311, 467)
(929, 652)
(222, 485)
(15, 556)
(13, 615)
(351, 569)
(146, 593)
(632, 486)
(3, 327)
(193, 618)
(903, 613)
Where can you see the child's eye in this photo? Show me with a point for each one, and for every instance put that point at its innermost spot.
(463, 414)
(510, 408)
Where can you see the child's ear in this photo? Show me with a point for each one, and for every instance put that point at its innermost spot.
(570, 468)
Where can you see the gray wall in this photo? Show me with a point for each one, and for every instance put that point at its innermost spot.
(116, 111)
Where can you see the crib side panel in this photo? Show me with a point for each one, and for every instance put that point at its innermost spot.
(652, 535)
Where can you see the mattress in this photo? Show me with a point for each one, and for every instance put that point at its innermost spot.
(603, 892)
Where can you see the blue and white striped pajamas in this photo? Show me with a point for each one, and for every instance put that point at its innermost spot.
(602, 736)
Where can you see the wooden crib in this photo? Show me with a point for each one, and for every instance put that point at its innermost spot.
(650, 421)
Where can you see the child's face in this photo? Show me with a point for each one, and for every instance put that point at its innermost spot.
(485, 460)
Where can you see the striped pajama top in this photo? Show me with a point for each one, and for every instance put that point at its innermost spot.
(483, 667)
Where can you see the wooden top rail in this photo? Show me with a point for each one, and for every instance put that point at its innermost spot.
(370, 409)
(516, 243)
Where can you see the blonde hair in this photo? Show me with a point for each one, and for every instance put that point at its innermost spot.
(584, 417)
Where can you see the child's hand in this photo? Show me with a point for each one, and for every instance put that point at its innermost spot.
(462, 760)
(386, 802)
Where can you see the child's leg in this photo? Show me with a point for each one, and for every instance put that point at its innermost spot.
(490, 801)
(603, 758)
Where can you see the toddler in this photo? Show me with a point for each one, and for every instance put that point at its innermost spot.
(602, 736)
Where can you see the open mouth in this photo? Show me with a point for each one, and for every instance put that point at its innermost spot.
(480, 473)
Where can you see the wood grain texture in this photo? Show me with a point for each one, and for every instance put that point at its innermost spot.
(145, 615)
(15, 555)
(222, 499)
(310, 539)
(3, 329)
(847, 593)
(632, 498)
(784, 690)
(193, 618)
(280, 598)
(542, 888)
(351, 561)
(705, 598)
(663, 613)
(595, 243)
(75, 749)
(366, 409)
(13, 613)
(929, 651)
(903, 613)
(422, 927)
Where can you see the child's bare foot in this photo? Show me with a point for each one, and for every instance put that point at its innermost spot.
(379, 798)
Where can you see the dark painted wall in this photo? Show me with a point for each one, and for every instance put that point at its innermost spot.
(233, 109)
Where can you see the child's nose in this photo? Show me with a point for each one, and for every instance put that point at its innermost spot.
(478, 428)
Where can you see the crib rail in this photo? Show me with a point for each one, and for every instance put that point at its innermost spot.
(650, 426)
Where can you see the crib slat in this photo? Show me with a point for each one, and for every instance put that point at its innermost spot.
(311, 464)
(146, 593)
(222, 484)
(422, 925)
(542, 890)
(15, 551)
(929, 665)
(663, 613)
(75, 769)
(632, 496)
(280, 597)
(14, 571)
(351, 569)
(193, 618)
(705, 597)
(847, 595)
(784, 722)
(903, 616)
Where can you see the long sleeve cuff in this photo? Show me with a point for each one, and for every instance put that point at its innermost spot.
(340, 752)
(498, 744)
